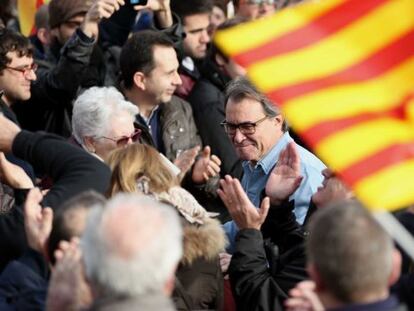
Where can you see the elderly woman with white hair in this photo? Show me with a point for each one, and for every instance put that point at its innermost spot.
(103, 120)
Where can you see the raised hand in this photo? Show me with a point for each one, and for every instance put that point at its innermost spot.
(186, 159)
(162, 10)
(37, 221)
(98, 10)
(285, 177)
(241, 209)
(206, 166)
(68, 289)
(303, 298)
(13, 175)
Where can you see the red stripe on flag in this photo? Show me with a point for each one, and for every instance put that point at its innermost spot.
(316, 30)
(383, 159)
(323, 130)
(376, 64)
(39, 3)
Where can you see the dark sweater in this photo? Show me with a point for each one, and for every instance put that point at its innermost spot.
(72, 170)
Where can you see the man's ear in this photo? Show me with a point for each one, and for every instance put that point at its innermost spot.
(316, 277)
(139, 80)
(279, 120)
(89, 144)
(396, 267)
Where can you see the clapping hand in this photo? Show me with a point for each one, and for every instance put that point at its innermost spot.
(37, 221)
(206, 166)
(241, 209)
(285, 178)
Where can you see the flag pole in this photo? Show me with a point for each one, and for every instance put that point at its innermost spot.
(397, 231)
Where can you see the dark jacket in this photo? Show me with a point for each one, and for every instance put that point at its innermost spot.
(23, 283)
(262, 271)
(72, 170)
(59, 78)
(207, 100)
(199, 281)
(177, 128)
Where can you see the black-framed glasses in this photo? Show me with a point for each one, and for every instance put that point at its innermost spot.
(123, 140)
(26, 71)
(246, 128)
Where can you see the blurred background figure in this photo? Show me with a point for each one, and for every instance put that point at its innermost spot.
(41, 39)
(218, 15)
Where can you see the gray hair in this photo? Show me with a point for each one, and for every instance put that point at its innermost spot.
(350, 251)
(241, 88)
(94, 109)
(131, 246)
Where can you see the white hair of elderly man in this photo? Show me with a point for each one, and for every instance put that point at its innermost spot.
(132, 246)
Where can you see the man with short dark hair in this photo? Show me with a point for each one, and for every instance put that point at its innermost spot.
(17, 70)
(352, 260)
(195, 16)
(149, 76)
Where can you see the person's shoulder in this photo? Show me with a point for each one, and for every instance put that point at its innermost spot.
(309, 161)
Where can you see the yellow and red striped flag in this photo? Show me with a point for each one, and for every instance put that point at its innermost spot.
(27, 10)
(342, 72)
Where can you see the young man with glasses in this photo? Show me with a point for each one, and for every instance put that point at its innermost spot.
(17, 70)
(259, 133)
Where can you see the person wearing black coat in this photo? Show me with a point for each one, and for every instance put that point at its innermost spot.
(72, 170)
(269, 257)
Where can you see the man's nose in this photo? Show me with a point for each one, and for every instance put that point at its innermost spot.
(238, 136)
(205, 37)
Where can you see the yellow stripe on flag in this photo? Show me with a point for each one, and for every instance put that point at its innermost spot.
(392, 187)
(335, 53)
(27, 10)
(374, 95)
(351, 145)
(245, 37)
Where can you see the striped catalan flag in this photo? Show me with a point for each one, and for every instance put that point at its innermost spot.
(342, 72)
(27, 10)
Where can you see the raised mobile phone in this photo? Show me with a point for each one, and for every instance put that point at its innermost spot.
(137, 2)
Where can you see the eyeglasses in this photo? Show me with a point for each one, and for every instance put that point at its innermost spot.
(26, 71)
(123, 140)
(246, 128)
(258, 2)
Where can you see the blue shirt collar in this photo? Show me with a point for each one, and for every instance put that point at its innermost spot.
(269, 160)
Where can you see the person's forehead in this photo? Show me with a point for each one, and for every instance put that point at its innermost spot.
(196, 21)
(17, 60)
(247, 108)
(165, 57)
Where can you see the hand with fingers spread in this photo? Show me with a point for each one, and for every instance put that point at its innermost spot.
(161, 9)
(68, 289)
(285, 178)
(13, 175)
(186, 159)
(304, 298)
(37, 220)
(98, 10)
(241, 209)
(206, 166)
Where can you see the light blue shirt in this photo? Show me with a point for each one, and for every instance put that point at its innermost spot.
(255, 178)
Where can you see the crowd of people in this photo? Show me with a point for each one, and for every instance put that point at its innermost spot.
(141, 170)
